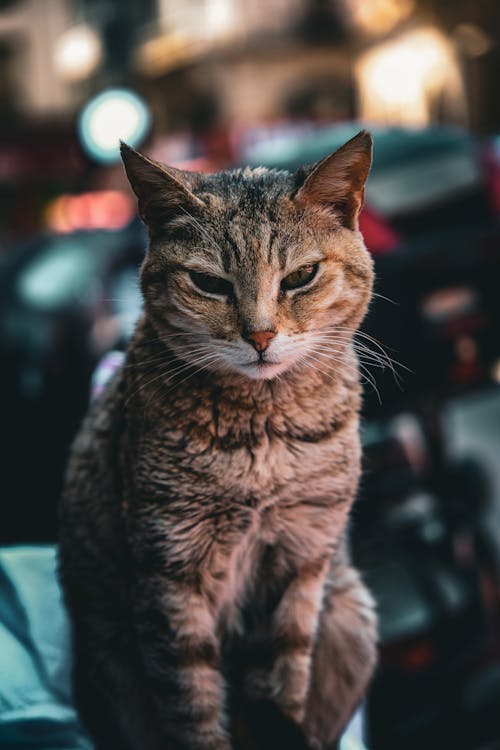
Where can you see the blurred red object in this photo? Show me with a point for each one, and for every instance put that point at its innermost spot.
(491, 167)
(379, 236)
(408, 657)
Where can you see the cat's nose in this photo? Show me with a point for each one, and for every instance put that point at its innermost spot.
(260, 340)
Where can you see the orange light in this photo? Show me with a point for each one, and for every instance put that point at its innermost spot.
(399, 80)
(379, 16)
(103, 209)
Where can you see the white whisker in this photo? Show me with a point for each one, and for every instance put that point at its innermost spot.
(207, 359)
(170, 373)
(364, 371)
(338, 335)
(387, 299)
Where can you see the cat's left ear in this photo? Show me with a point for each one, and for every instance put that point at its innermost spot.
(337, 183)
(162, 192)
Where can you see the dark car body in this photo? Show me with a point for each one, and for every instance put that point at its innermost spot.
(56, 320)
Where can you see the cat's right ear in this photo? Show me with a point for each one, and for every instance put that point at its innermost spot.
(162, 192)
(336, 184)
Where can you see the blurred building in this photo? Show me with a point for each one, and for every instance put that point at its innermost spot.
(29, 31)
(213, 68)
(246, 61)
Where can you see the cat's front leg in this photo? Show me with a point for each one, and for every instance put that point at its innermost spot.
(285, 680)
(181, 657)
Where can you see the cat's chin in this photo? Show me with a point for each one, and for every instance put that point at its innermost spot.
(263, 370)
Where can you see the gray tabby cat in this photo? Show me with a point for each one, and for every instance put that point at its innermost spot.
(202, 549)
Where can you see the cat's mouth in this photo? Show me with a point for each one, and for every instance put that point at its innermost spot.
(264, 364)
(261, 363)
(262, 368)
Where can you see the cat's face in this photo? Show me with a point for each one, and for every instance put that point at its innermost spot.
(255, 271)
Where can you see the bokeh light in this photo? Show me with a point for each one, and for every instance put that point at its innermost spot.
(77, 53)
(113, 115)
(399, 79)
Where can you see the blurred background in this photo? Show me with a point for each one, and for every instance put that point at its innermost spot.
(211, 84)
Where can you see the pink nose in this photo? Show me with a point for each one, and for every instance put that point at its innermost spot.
(260, 339)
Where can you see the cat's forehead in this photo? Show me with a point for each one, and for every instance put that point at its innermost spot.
(256, 188)
(249, 210)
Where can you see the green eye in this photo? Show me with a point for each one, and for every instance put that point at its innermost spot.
(211, 284)
(299, 278)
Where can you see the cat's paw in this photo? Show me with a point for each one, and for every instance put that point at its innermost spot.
(263, 684)
(210, 741)
(282, 685)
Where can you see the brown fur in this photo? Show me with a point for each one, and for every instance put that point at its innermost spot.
(203, 523)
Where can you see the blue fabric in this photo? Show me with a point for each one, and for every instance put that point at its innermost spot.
(35, 693)
(35, 702)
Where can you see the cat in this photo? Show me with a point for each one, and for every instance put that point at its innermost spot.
(203, 551)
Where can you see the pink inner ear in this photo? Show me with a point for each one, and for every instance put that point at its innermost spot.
(337, 182)
(333, 198)
(162, 191)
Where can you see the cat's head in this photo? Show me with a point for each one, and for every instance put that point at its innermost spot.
(255, 271)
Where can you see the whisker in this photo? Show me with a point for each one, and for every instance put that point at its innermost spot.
(169, 336)
(186, 364)
(169, 373)
(363, 334)
(387, 299)
(330, 375)
(361, 350)
(164, 357)
(307, 363)
(364, 371)
(331, 358)
(208, 359)
(381, 353)
(360, 356)
(367, 356)
(145, 385)
(167, 356)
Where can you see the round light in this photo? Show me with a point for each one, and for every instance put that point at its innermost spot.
(113, 115)
(77, 53)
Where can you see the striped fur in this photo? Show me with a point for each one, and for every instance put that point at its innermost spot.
(207, 496)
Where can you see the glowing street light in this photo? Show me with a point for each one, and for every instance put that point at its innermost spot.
(78, 53)
(113, 115)
(397, 80)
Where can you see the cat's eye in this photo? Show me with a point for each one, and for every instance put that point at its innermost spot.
(211, 284)
(299, 278)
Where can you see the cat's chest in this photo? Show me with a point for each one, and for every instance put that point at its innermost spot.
(243, 514)
(249, 471)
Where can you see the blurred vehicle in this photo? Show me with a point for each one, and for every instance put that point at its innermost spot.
(57, 318)
(429, 557)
